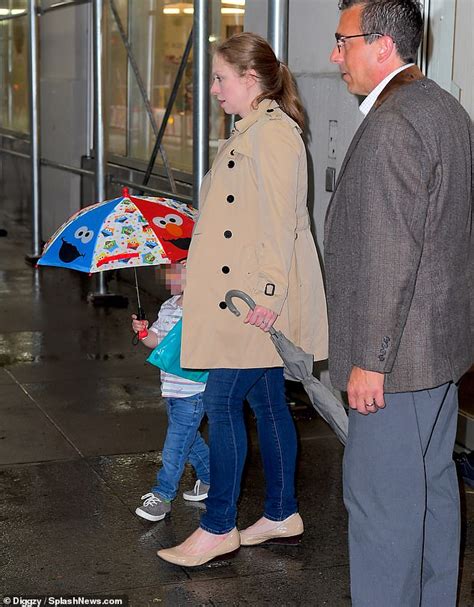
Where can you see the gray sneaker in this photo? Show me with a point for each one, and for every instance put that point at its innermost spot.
(198, 493)
(153, 508)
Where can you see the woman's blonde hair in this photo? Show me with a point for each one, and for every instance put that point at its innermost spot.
(247, 51)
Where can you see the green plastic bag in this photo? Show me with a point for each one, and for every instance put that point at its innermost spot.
(167, 355)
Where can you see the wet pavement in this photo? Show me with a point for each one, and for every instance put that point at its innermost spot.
(81, 427)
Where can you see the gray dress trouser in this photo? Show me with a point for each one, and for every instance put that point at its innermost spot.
(401, 493)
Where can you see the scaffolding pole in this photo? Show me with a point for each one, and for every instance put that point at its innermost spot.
(424, 46)
(101, 297)
(278, 11)
(35, 133)
(99, 115)
(200, 95)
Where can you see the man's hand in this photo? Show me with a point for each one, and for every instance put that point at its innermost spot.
(365, 390)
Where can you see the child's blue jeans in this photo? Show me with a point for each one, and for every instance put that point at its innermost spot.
(183, 443)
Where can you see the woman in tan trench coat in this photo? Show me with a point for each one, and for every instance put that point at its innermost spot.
(253, 234)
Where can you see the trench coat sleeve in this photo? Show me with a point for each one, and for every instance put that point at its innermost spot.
(276, 152)
(393, 206)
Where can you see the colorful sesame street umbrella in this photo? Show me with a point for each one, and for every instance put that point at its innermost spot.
(126, 232)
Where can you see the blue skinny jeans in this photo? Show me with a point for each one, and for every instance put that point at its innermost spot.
(225, 393)
(183, 443)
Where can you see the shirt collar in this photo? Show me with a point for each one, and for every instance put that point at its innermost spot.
(244, 123)
(371, 98)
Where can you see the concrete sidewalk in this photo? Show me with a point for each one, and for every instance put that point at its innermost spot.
(81, 427)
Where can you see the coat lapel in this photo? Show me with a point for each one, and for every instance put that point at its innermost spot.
(352, 146)
(407, 76)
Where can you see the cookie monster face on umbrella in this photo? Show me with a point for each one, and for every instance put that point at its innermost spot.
(124, 232)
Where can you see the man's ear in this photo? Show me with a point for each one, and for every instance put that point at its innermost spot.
(386, 48)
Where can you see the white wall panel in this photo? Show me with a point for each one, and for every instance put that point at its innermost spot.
(64, 90)
(463, 62)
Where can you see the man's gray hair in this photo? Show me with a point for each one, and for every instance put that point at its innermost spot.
(402, 20)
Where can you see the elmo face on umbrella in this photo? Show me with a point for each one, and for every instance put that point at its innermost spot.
(173, 229)
(176, 231)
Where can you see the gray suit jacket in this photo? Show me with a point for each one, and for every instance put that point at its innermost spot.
(398, 241)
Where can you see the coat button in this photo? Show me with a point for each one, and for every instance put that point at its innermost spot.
(231, 164)
(222, 305)
(232, 152)
(228, 234)
(225, 269)
(230, 198)
(270, 111)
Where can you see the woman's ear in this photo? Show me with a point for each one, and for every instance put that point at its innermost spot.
(251, 78)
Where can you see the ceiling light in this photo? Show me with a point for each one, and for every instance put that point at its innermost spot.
(236, 2)
(170, 10)
(232, 11)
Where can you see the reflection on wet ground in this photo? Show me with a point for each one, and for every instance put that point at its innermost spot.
(81, 426)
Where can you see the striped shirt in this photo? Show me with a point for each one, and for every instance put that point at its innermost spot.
(173, 386)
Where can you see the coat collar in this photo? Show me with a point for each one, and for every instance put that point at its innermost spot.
(408, 76)
(245, 123)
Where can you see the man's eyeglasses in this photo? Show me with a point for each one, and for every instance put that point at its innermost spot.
(341, 40)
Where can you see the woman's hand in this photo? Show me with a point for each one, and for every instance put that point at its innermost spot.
(138, 325)
(261, 317)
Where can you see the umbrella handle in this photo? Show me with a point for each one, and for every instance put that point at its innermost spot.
(248, 300)
(241, 295)
(141, 316)
(141, 334)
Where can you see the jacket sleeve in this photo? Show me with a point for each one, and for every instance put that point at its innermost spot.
(277, 155)
(393, 204)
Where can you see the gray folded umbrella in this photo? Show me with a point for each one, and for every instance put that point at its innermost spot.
(299, 367)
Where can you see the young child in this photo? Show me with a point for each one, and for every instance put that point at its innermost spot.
(183, 442)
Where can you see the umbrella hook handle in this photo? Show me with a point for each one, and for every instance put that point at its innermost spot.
(248, 300)
(241, 295)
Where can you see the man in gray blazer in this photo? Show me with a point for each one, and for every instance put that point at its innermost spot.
(397, 246)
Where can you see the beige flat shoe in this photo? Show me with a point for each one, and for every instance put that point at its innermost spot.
(288, 531)
(227, 548)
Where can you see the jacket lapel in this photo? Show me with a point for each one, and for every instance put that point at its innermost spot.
(352, 146)
(407, 76)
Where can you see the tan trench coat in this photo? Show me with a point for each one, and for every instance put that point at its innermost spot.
(253, 234)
